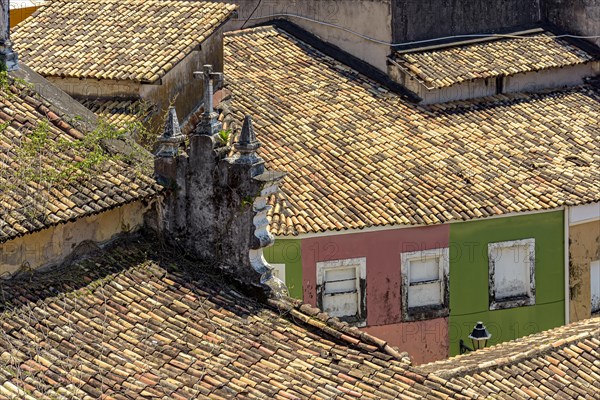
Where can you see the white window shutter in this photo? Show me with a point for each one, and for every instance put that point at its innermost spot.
(595, 283)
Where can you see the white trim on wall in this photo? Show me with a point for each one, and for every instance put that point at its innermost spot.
(278, 271)
(585, 213)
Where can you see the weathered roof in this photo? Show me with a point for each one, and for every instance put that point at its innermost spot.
(358, 155)
(451, 65)
(139, 40)
(137, 321)
(47, 174)
(561, 363)
(118, 111)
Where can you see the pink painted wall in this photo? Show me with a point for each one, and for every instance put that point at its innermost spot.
(425, 341)
(382, 250)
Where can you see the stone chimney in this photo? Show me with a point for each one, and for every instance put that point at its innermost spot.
(216, 209)
(8, 58)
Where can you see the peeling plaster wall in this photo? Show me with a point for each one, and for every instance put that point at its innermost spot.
(469, 277)
(554, 78)
(53, 245)
(382, 251)
(372, 18)
(425, 341)
(550, 78)
(584, 248)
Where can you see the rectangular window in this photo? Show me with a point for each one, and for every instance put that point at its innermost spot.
(425, 284)
(278, 271)
(341, 288)
(595, 282)
(511, 273)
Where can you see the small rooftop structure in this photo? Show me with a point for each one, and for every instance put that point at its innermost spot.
(510, 62)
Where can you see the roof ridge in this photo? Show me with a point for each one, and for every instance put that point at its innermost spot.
(253, 29)
(334, 327)
(24, 108)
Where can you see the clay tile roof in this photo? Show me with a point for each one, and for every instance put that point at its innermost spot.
(560, 363)
(358, 155)
(451, 65)
(118, 111)
(138, 40)
(133, 321)
(43, 181)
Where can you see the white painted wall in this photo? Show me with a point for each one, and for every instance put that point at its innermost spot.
(595, 285)
(585, 213)
(550, 78)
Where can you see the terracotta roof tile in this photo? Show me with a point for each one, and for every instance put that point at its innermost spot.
(503, 57)
(358, 155)
(139, 40)
(120, 324)
(34, 197)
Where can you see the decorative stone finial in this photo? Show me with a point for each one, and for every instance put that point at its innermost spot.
(246, 147)
(172, 138)
(247, 143)
(209, 125)
(8, 58)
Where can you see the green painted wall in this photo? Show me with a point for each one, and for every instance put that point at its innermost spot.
(469, 299)
(287, 251)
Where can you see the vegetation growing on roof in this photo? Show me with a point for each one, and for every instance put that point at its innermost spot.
(224, 135)
(43, 157)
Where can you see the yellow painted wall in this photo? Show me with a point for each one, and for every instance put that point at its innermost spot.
(584, 247)
(52, 245)
(19, 14)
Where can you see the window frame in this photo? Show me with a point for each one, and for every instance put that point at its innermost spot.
(516, 301)
(280, 268)
(418, 313)
(360, 264)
